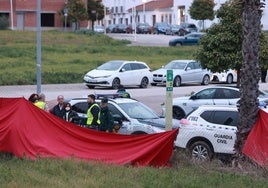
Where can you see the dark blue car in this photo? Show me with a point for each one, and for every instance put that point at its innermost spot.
(189, 39)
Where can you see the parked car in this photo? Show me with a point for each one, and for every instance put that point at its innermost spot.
(186, 28)
(99, 29)
(160, 28)
(215, 95)
(130, 28)
(209, 130)
(133, 116)
(173, 30)
(184, 71)
(189, 39)
(119, 72)
(120, 28)
(228, 77)
(110, 28)
(144, 28)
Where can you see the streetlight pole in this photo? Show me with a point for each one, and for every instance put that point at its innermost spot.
(38, 47)
(65, 11)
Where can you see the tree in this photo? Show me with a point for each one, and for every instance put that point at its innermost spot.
(221, 47)
(76, 12)
(95, 11)
(202, 10)
(250, 71)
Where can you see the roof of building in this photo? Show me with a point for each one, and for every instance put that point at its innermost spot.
(154, 4)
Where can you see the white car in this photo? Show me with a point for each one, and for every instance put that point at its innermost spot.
(133, 116)
(119, 72)
(214, 95)
(228, 77)
(184, 71)
(209, 130)
(99, 29)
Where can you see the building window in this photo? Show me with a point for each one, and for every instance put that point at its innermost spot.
(47, 20)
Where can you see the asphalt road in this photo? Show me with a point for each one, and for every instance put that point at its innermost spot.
(152, 96)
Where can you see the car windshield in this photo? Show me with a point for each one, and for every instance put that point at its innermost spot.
(137, 110)
(175, 65)
(111, 65)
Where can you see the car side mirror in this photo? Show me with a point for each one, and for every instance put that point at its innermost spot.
(188, 68)
(122, 70)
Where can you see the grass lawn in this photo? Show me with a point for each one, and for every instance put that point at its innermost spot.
(66, 57)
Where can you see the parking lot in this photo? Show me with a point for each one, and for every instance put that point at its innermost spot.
(144, 39)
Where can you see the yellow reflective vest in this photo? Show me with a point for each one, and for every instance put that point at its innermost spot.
(40, 104)
(90, 115)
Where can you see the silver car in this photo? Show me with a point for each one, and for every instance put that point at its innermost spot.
(184, 71)
(133, 116)
(217, 95)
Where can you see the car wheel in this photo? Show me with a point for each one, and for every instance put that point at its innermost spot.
(144, 82)
(177, 81)
(200, 151)
(229, 79)
(116, 83)
(153, 84)
(205, 80)
(91, 87)
(178, 113)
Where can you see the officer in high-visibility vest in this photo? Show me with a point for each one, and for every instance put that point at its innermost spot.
(93, 113)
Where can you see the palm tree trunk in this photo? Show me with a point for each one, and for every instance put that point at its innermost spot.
(250, 73)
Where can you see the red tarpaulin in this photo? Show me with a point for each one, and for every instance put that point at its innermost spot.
(26, 130)
(256, 146)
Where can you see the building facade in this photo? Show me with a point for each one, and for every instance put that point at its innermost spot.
(22, 13)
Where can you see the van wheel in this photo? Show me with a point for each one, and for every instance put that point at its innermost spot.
(200, 151)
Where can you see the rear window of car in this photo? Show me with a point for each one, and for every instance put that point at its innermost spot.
(136, 66)
(223, 117)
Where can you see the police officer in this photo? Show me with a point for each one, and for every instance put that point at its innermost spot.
(106, 118)
(93, 113)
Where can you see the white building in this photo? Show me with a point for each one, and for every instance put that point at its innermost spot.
(152, 11)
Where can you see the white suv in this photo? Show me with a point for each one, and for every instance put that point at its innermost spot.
(209, 130)
(119, 72)
(133, 116)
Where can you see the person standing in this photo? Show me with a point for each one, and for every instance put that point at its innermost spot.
(93, 113)
(106, 118)
(41, 103)
(70, 115)
(58, 110)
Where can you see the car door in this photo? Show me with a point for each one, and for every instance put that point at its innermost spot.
(199, 72)
(126, 75)
(225, 96)
(189, 73)
(224, 129)
(204, 97)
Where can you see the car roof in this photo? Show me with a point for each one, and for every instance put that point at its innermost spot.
(118, 100)
(127, 61)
